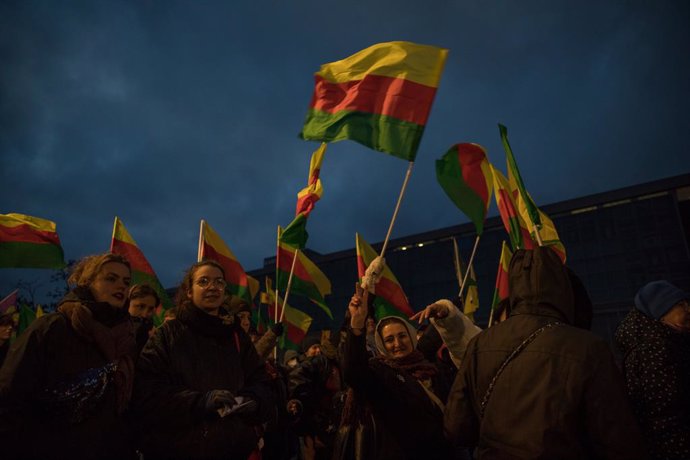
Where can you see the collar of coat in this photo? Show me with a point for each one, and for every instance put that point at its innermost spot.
(205, 324)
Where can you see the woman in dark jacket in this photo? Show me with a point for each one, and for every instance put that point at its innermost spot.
(400, 390)
(655, 341)
(68, 378)
(195, 368)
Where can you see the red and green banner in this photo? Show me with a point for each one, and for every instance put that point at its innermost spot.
(308, 196)
(513, 222)
(532, 211)
(29, 242)
(307, 279)
(502, 290)
(465, 175)
(390, 298)
(212, 247)
(142, 273)
(380, 97)
(296, 323)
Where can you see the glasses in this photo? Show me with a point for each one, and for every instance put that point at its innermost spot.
(205, 282)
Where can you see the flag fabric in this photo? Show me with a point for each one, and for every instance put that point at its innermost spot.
(390, 298)
(26, 317)
(39, 311)
(214, 248)
(502, 290)
(254, 287)
(532, 211)
(547, 231)
(307, 279)
(296, 322)
(142, 273)
(380, 97)
(9, 303)
(465, 175)
(308, 196)
(513, 222)
(29, 242)
(295, 234)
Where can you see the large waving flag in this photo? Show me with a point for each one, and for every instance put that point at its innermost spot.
(380, 97)
(307, 279)
(513, 222)
(212, 247)
(296, 322)
(29, 242)
(532, 211)
(309, 195)
(142, 273)
(465, 175)
(502, 290)
(390, 298)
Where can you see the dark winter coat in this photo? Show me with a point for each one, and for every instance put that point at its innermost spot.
(408, 424)
(561, 398)
(656, 365)
(185, 359)
(58, 391)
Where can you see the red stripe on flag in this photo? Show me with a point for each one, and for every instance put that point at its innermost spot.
(285, 264)
(306, 203)
(26, 234)
(361, 266)
(393, 97)
(134, 255)
(470, 161)
(234, 273)
(294, 334)
(393, 293)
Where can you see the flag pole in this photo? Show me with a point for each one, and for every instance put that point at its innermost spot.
(112, 238)
(397, 207)
(289, 285)
(469, 265)
(277, 290)
(456, 262)
(491, 317)
(201, 239)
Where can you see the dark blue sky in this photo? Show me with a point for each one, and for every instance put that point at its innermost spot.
(163, 113)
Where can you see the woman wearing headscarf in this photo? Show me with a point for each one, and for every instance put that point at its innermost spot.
(398, 396)
(68, 378)
(201, 388)
(655, 341)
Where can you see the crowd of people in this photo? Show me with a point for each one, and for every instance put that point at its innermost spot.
(96, 379)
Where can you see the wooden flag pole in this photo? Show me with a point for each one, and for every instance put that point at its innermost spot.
(491, 317)
(112, 239)
(469, 265)
(277, 290)
(456, 262)
(289, 285)
(201, 239)
(397, 207)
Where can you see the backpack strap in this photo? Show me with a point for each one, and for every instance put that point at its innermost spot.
(511, 356)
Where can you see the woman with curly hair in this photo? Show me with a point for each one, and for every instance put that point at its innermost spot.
(68, 377)
(201, 388)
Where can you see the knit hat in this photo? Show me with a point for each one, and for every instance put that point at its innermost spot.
(655, 299)
(379, 340)
(308, 342)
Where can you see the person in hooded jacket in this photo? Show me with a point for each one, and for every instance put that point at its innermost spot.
(655, 341)
(67, 379)
(539, 385)
(193, 370)
(395, 407)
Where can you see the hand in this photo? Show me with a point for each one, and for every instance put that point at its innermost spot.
(294, 407)
(358, 308)
(435, 310)
(216, 399)
(277, 329)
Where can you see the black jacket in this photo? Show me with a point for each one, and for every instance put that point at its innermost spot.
(184, 359)
(57, 393)
(656, 365)
(561, 398)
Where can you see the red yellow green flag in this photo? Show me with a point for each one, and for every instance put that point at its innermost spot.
(547, 230)
(212, 247)
(502, 290)
(29, 242)
(390, 298)
(296, 322)
(307, 279)
(142, 273)
(465, 175)
(532, 211)
(471, 298)
(380, 97)
(295, 234)
(308, 196)
(514, 224)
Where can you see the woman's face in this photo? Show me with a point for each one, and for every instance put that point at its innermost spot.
(111, 284)
(208, 289)
(678, 317)
(245, 320)
(143, 307)
(396, 340)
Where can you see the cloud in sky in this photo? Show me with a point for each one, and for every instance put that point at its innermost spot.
(166, 113)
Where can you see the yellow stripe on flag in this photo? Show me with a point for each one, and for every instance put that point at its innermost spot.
(15, 220)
